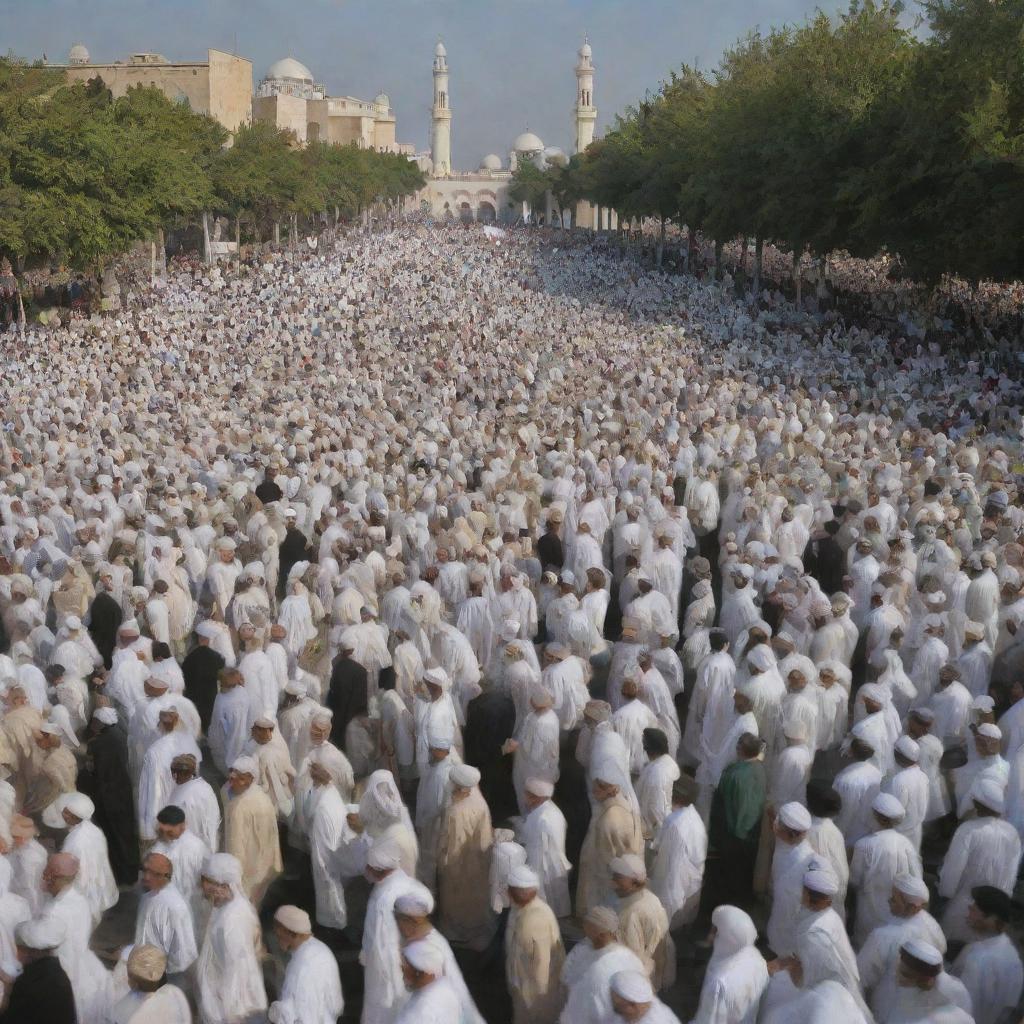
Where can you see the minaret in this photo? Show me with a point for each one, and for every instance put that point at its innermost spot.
(441, 117)
(586, 112)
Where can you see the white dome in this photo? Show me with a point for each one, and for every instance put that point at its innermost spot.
(78, 54)
(491, 162)
(290, 68)
(586, 51)
(554, 155)
(528, 143)
(439, 50)
(382, 99)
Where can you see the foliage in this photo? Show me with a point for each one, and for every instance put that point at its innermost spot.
(847, 133)
(83, 176)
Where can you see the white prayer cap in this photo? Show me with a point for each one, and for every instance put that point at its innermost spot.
(523, 877)
(821, 880)
(79, 805)
(795, 816)
(146, 962)
(207, 630)
(628, 866)
(263, 722)
(49, 729)
(990, 731)
(761, 657)
(540, 787)
(888, 806)
(509, 630)
(912, 887)
(107, 715)
(568, 577)
(294, 688)
(130, 626)
(923, 951)
(989, 794)
(223, 868)
(633, 987)
(41, 933)
(225, 544)
(872, 692)
(604, 918)
(983, 703)
(418, 903)
(383, 856)
(465, 776)
(923, 714)
(290, 513)
(425, 956)
(440, 739)
(294, 919)
(437, 676)
(933, 621)
(908, 748)
(795, 729)
(245, 765)
(73, 623)
(974, 631)
(157, 683)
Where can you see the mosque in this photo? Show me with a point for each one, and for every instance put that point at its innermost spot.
(483, 195)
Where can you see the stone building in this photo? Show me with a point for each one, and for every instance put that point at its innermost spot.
(220, 86)
(291, 98)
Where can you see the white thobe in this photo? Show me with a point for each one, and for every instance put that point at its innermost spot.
(654, 791)
(311, 992)
(536, 756)
(679, 847)
(789, 865)
(911, 787)
(587, 974)
(229, 978)
(167, 1005)
(337, 855)
(629, 722)
(155, 781)
(992, 972)
(857, 785)
(202, 810)
(711, 706)
(542, 834)
(187, 855)
(230, 727)
(261, 684)
(877, 860)
(164, 919)
(437, 1003)
(95, 880)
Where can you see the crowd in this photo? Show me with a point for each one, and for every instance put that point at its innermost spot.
(429, 630)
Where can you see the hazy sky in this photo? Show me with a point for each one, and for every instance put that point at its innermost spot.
(511, 62)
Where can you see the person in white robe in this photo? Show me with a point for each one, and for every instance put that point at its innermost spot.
(155, 781)
(711, 706)
(187, 854)
(542, 834)
(27, 858)
(535, 745)
(231, 721)
(14, 910)
(985, 850)
(878, 958)
(566, 679)
(654, 784)
(590, 966)
(951, 706)
(384, 990)
(909, 784)
(385, 818)
(633, 999)
(432, 997)
(229, 979)
(736, 976)
(164, 917)
(930, 751)
(679, 849)
(311, 991)
(989, 965)
(149, 999)
(790, 862)
(435, 713)
(412, 915)
(716, 759)
(195, 796)
(89, 979)
(276, 773)
(95, 879)
(432, 797)
(632, 718)
(857, 785)
(924, 991)
(878, 859)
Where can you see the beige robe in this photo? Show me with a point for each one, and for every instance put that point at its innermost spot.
(534, 956)
(643, 927)
(463, 872)
(20, 726)
(57, 773)
(250, 834)
(614, 831)
(277, 775)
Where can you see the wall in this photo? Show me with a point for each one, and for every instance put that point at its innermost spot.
(286, 112)
(230, 89)
(191, 81)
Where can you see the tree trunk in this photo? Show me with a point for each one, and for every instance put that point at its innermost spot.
(718, 261)
(238, 238)
(661, 244)
(758, 257)
(206, 237)
(797, 278)
(277, 232)
(295, 230)
(743, 255)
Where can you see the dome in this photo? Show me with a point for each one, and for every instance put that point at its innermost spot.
(586, 51)
(554, 155)
(290, 68)
(382, 99)
(439, 50)
(78, 54)
(528, 143)
(491, 162)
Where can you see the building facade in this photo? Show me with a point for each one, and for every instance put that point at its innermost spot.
(220, 86)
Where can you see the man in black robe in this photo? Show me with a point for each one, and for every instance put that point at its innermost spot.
(268, 491)
(549, 546)
(105, 617)
(825, 559)
(106, 781)
(200, 669)
(490, 721)
(42, 993)
(294, 548)
(347, 694)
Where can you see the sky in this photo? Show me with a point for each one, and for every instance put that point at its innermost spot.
(511, 61)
